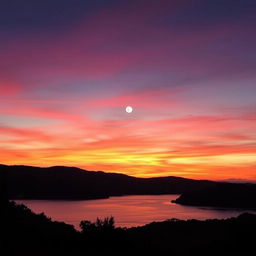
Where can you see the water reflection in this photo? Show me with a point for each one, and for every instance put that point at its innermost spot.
(128, 210)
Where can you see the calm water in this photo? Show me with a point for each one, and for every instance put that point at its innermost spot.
(127, 210)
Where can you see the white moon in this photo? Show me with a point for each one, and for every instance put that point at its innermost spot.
(129, 109)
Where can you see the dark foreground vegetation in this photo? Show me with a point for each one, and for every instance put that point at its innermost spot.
(221, 195)
(26, 233)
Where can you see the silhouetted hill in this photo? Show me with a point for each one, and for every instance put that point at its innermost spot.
(26, 182)
(233, 236)
(221, 195)
(26, 233)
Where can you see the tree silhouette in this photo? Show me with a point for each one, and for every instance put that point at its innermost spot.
(107, 224)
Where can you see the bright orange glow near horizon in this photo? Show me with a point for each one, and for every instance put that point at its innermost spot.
(189, 147)
(189, 77)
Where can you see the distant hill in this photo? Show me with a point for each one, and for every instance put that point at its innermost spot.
(58, 182)
(239, 181)
(221, 195)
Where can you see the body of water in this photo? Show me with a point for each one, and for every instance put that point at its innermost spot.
(128, 211)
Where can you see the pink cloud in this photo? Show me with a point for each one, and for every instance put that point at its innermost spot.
(146, 98)
(29, 134)
(9, 88)
(45, 112)
(91, 49)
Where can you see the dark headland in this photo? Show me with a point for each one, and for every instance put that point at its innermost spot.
(228, 195)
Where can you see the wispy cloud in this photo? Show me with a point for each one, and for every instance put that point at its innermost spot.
(187, 68)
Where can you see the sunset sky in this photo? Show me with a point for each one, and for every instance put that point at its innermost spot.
(69, 68)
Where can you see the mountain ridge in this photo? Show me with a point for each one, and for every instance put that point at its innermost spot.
(62, 182)
(104, 172)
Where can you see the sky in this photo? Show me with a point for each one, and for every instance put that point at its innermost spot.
(68, 69)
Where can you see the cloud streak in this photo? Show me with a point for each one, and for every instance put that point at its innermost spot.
(187, 68)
